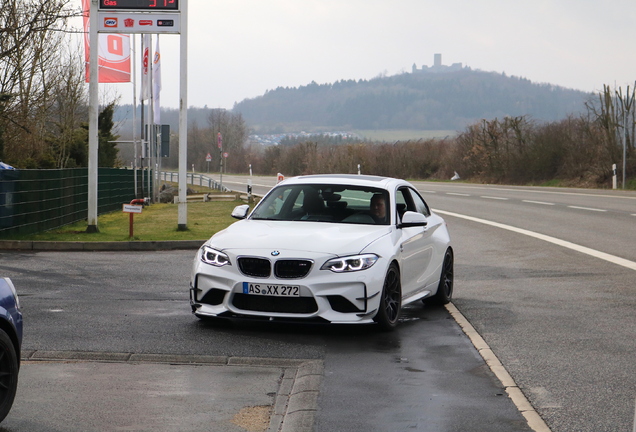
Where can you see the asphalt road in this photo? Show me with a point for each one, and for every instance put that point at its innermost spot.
(424, 376)
(559, 316)
(546, 275)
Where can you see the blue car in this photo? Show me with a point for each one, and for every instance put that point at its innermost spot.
(10, 343)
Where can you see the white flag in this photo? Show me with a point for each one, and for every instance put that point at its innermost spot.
(145, 61)
(156, 84)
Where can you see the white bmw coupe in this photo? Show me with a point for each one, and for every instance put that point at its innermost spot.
(326, 248)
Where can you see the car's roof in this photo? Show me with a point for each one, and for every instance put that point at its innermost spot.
(347, 179)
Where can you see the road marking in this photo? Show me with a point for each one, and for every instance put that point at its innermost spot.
(494, 198)
(537, 202)
(548, 192)
(458, 194)
(425, 191)
(566, 244)
(587, 208)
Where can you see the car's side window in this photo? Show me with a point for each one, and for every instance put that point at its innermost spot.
(403, 202)
(420, 205)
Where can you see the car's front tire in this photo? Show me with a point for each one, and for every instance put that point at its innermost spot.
(8, 374)
(391, 300)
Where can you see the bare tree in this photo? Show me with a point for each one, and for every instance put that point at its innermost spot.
(30, 35)
(234, 134)
(68, 110)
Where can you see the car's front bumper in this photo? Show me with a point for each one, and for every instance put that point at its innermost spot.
(336, 298)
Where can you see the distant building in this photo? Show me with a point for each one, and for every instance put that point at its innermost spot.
(437, 67)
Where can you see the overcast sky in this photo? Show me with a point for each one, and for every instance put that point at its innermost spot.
(240, 48)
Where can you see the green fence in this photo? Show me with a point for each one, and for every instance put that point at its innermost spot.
(38, 200)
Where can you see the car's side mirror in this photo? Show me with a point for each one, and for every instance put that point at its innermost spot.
(240, 212)
(413, 219)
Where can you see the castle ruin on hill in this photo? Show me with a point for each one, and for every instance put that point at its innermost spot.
(437, 66)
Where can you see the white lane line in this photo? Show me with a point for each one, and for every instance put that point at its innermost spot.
(537, 202)
(566, 244)
(526, 409)
(587, 208)
(539, 191)
(425, 191)
(494, 198)
(457, 194)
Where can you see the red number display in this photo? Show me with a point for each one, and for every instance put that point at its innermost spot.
(139, 4)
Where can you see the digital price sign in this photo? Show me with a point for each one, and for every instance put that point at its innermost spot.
(143, 5)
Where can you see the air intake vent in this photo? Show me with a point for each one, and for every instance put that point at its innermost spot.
(292, 269)
(257, 267)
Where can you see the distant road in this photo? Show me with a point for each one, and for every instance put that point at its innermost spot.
(546, 275)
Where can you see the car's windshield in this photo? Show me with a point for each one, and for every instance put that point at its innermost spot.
(325, 203)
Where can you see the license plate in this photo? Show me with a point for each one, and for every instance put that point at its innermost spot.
(271, 290)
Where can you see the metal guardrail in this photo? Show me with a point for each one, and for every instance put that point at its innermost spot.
(193, 179)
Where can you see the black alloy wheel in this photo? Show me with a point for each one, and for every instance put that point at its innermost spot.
(391, 300)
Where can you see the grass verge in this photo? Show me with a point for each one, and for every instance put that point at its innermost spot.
(157, 222)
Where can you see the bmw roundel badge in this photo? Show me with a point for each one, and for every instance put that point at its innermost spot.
(275, 253)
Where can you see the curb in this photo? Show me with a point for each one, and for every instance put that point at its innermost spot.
(303, 400)
(26, 245)
(526, 409)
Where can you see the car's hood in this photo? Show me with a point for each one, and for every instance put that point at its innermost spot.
(316, 237)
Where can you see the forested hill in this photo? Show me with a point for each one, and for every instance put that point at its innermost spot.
(423, 101)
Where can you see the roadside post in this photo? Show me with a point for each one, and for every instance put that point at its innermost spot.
(219, 143)
(249, 187)
(135, 206)
(614, 185)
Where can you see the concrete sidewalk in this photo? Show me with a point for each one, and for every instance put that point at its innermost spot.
(97, 391)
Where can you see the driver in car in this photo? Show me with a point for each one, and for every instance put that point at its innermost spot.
(378, 208)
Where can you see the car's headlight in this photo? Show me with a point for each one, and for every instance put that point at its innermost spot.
(214, 257)
(350, 263)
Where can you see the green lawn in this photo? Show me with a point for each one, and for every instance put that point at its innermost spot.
(157, 222)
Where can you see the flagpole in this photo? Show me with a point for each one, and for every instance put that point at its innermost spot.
(156, 107)
(142, 132)
(134, 137)
(151, 125)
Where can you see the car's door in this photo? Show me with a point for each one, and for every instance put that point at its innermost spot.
(416, 248)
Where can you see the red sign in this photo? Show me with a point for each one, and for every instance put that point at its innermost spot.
(113, 49)
(219, 140)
